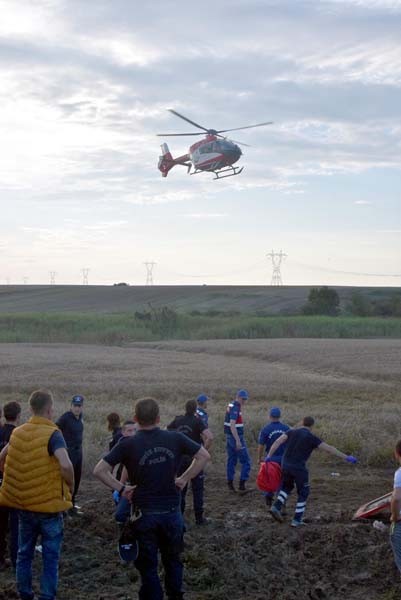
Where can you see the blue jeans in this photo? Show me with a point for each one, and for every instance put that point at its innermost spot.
(395, 541)
(234, 455)
(160, 531)
(49, 526)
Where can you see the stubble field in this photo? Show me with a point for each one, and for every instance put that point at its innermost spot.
(351, 387)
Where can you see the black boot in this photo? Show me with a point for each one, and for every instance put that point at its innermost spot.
(242, 485)
(230, 484)
(269, 501)
(200, 519)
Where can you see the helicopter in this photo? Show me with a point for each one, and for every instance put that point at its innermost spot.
(215, 153)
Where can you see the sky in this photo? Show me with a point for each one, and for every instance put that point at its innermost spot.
(85, 88)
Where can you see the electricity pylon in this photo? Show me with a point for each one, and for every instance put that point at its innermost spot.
(85, 276)
(276, 258)
(149, 272)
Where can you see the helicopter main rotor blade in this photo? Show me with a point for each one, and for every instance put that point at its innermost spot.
(246, 127)
(175, 134)
(235, 141)
(177, 114)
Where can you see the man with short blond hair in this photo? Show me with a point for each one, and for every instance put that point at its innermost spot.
(38, 480)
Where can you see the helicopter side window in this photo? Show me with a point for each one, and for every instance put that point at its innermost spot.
(206, 149)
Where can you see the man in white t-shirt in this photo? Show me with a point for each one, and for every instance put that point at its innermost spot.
(395, 530)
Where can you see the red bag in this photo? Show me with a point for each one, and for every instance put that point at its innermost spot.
(269, 477)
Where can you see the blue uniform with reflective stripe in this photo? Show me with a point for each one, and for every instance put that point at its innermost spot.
(233, 413)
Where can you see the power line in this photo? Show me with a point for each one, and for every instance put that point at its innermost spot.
(276, 258)
(149, 265)
(341, 272)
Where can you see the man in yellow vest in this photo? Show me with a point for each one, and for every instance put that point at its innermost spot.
(38, 480)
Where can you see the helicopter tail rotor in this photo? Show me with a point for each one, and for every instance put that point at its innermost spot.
(167, 162)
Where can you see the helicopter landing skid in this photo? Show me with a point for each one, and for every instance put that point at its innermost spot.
(231, 171)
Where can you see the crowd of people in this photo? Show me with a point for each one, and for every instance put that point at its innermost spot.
(148, 471)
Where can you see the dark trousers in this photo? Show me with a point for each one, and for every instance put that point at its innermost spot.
(76, 459)
(8, 526)
(160, 531)
(197, 485)
(300, 478)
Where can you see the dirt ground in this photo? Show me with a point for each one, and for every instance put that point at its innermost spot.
(241, 553)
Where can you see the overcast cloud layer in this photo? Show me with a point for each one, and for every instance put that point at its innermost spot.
(85, 87)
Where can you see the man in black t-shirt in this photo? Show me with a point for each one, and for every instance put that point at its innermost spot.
(152, 458)
(8, 516)
(301, 442)
(193, 427)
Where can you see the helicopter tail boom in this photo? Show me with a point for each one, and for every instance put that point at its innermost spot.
(167, 162)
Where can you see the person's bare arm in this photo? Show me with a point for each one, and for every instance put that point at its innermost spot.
(332, 450)
(207, 438)
(104, 472)
(124, 476)
(279, 441)
(66, 468)
(197, 465)
(3, 456)
(235, 434)
(396, 505)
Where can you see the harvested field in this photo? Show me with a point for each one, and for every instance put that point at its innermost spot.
(184, 298)
(352, 387)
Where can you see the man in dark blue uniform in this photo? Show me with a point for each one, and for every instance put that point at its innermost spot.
(8, 516)
(152, 458)
(201, 411)
(300, 444)
(235, 442)
(192, 426)
(72, 427)
(267, 436)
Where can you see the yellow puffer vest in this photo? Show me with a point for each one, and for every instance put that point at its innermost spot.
(32, 479)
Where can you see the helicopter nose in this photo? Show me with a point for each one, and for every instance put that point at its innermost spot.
(234, 153)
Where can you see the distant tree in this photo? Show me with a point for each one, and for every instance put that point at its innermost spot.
(322, 301)
(390, 307)
(360, 306)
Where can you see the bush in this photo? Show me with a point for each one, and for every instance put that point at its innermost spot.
(322, 301)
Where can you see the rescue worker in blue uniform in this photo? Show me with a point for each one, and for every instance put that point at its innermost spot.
(152, 458)
(193, 427)
(72, 427)
(201, 409)
(235, 442)
(300, 444)
(8, 516)
(267, 436)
